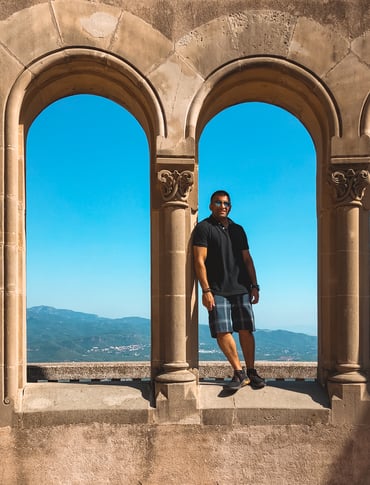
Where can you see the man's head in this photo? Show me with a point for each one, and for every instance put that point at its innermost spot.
(220, 204)
(220, 193)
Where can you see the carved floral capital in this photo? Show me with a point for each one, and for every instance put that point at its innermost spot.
(350, 184)
(175, 185)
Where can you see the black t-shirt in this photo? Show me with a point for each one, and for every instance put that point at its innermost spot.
(226, 271)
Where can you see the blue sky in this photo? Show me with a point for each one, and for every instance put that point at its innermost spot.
(88, 243)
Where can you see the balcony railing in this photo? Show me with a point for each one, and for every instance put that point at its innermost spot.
(103, 371)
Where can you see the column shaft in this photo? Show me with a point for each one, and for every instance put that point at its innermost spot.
(348, 336)
(175, 187)
(350, 183)
(175, 287)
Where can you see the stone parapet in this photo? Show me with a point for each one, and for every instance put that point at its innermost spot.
(75, 371)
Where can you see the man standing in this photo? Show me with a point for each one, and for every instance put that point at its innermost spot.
(226, 273)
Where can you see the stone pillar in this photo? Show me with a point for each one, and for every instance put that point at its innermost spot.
(14, 311)
(175, 387)
(350, 184)
(175, 187)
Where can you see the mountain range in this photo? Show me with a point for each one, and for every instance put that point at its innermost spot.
(55, 335)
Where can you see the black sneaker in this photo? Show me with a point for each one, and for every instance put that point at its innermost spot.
(240, 379)
(256, 381)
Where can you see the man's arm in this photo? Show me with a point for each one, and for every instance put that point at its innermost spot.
(200, 256)
(249, 264)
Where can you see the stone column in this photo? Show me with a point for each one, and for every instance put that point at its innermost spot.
(350, 184)
(14, 311)
(175, 188)
(176, 389)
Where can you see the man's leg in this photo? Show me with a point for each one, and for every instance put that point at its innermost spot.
(248, 346)
(221, 327)
(227, 344)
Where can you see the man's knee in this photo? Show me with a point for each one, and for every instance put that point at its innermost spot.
(222, 335)
(248, 333)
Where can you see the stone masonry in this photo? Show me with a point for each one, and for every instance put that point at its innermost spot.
(174, 64)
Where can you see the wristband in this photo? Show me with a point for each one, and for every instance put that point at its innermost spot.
(255, 286)
(207, 290)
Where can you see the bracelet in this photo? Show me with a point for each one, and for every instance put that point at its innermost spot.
(255, 286)
(207, 290)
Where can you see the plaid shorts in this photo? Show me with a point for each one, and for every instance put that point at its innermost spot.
(231, 314)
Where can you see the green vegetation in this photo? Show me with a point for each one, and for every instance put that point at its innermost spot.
(66, 336)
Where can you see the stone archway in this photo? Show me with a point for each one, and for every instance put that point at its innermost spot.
(197, 61)
(68, 72)
(292, 88)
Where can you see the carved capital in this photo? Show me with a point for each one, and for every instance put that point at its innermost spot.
(175, 185)
(350, 184)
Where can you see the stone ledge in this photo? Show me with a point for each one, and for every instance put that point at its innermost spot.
(45, 404)
(279, 403)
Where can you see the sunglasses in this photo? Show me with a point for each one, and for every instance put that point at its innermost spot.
(219, 203)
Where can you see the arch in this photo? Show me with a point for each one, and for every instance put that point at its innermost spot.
(271, 80)
(87, 71)
(57, 75)
(289, 86)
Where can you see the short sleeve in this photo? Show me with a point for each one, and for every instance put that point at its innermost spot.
(200, 235)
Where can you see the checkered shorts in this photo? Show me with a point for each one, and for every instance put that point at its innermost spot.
(231, 314)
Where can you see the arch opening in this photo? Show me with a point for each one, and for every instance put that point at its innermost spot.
(85, 253)
(61, 74)
(269, 80)
(288, 86)
(257, 152)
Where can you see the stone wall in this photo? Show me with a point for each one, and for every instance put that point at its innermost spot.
(190, 455)
(174, 65)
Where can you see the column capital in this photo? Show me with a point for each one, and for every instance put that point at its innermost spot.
(350, 183)
(176, 185)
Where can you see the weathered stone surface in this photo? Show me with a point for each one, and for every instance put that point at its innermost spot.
(174, 64)
(290, 402)
(176, 83)
(145, 35)
(175, 17)
(361, 47)
(176, 403)
(311, 38)
(342, 78)
(190, 454)
(29, 33)
(234, 36)
(83, 23)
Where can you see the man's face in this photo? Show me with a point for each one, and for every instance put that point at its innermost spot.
(220, 206)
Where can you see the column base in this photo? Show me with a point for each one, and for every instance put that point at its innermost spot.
(176, 376)
(175, 372)
(176, 403)
(348, 378)
(347, 374)
(350, 403)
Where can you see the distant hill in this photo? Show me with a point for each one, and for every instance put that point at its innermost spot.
(55, 335)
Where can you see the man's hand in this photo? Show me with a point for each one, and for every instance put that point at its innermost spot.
(255, 296)
(208, 300)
